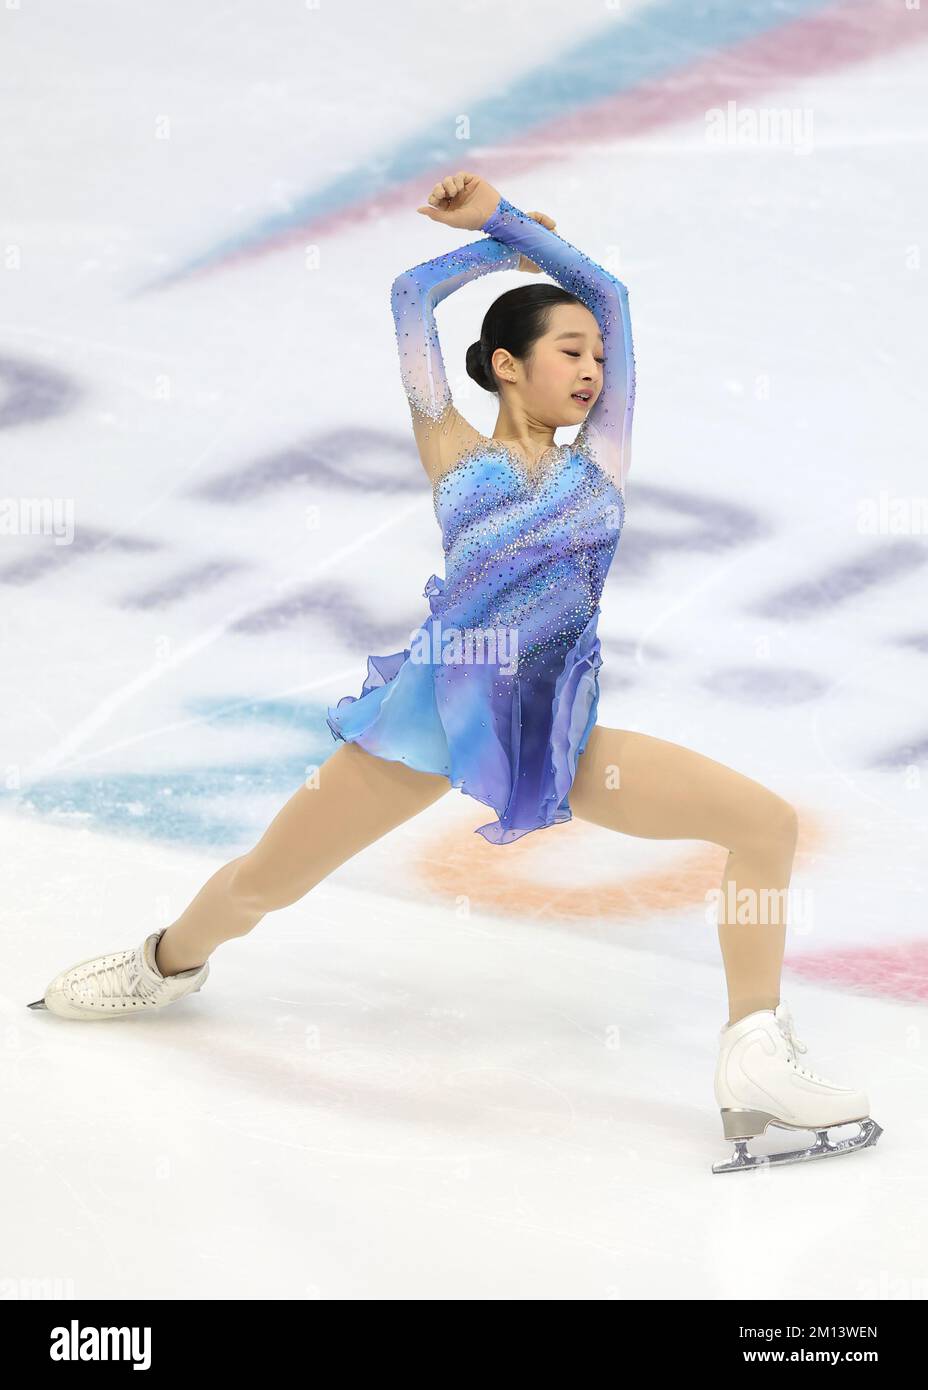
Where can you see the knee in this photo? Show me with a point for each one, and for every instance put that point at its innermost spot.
(776, 826)
(252, 891)
(786, 822)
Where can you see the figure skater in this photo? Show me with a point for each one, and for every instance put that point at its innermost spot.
(497, 694)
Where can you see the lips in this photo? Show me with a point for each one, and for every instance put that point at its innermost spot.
(583, 396)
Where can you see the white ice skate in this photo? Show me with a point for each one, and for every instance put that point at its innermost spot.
(115, 986)
(758, 1082)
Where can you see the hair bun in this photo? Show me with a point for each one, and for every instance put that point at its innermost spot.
(477, 366)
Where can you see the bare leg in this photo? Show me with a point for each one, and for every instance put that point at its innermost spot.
(359, 798)
(648, 787)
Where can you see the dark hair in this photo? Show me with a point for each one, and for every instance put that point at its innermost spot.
(515, 321)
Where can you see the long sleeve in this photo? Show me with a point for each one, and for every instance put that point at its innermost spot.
(606, 431)
(414, 296)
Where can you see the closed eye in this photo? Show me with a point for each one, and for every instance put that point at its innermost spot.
(600, 360)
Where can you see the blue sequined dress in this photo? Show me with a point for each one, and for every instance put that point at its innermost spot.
(499, 687)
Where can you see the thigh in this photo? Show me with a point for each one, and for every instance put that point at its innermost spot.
(358, 799)
(648, 787)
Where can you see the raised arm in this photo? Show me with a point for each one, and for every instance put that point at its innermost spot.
(414, 296)
(606, 431)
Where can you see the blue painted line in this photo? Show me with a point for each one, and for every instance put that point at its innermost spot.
(615, 59)
(178, 806)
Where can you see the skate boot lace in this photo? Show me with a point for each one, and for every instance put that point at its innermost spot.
(788, 1030)
(121, 977)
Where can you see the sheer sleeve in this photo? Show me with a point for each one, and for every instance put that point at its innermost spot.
(606, 431)
(414, 296)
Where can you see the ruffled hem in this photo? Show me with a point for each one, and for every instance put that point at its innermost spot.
(574, 710)
(576, 704)
(404, 714)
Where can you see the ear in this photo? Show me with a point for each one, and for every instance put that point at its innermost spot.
(503, 365)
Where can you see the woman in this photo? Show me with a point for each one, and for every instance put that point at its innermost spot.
(506, 709)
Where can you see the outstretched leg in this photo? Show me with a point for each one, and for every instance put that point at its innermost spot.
(648, 787)
(359, 798)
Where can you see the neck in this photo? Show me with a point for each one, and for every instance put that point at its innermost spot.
(531, 439)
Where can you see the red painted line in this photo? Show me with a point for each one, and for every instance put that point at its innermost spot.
(854, 31)
(898, 972)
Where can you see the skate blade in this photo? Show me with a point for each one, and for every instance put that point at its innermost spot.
(39, 1004)
(870, 1132)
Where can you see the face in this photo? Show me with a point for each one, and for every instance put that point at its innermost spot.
(567, 359)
